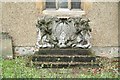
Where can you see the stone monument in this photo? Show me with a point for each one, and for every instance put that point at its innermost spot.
(71, 32)
(63, 42)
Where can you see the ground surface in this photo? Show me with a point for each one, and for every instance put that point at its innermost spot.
(16, 68)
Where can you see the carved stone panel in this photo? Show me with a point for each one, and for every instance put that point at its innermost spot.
(63, 32)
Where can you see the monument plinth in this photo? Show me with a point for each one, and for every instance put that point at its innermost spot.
(63, 42)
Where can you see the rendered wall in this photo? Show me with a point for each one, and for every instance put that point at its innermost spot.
(19, 20)
(104, 17)
(119, 24)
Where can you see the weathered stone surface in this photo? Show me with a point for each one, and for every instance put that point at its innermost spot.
(0, 17)
(63, 32)
(64, 51)
(109, 52)
(119, 24)
(104, 18)
(20, 51)
(19, 20)
(0, 28)
(64, 57)
(7, 51)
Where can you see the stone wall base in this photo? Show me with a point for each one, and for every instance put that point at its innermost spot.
(99, 51)
(109, 52)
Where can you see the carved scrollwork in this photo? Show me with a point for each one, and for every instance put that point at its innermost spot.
(63, 32)
(83, 32)
(44, 31)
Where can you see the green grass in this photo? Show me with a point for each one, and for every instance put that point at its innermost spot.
(16, 68)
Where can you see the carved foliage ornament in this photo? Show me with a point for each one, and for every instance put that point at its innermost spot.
(63, 32)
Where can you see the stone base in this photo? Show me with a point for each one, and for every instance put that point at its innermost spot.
(109, 52)
(59, 58)
(67, 51)
(99, 51)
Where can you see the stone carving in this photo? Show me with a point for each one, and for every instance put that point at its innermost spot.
(44, 31)
(83, 32)
(63, 32)
(61, 42)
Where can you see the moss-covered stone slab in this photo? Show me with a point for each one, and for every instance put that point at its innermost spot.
(6, 51)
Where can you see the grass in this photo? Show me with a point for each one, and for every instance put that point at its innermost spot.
(16, 68)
